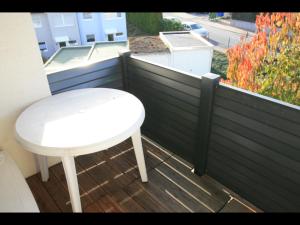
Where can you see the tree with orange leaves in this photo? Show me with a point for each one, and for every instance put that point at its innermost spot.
(269, 63)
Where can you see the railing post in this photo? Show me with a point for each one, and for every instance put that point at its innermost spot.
(124, 63)
(209, 84)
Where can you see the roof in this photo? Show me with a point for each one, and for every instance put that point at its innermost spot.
(184, 39)
(70, 57)
(147, 44)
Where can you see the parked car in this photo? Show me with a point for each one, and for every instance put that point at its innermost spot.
(192, 26)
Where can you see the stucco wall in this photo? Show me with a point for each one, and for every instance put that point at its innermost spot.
(22, 82)
(118, 23)
(90, 26)
(196, 61)
(71, 31)
(43, 34)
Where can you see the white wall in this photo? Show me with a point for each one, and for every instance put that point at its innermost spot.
(118, 23)
(196, 61)
(43, 34)
(22, 82)
(71, 31)
(90, 26)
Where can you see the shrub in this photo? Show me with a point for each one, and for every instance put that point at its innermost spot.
(270, 63)
(147, 22)
(171, 25)
(212, 16)
(248, 17)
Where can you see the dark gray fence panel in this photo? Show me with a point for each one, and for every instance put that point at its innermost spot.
(171, 101)
(107, 73)
(255, 148)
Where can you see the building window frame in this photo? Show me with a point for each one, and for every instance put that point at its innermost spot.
(118, 15)
(88, 18)
(88, 38)
(119, 34)
(39, 24)
(64, 24)
(45, 49)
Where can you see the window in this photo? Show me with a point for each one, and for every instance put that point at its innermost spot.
(110, 37)
(73, 42)
(87, 16)
(62, 44)
(112, 15)
(37, 23)
(43, 46)
(63, 20)
(90, 37)
(119, 34)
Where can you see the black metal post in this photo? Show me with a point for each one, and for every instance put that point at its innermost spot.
(124, 63)
(209, 84)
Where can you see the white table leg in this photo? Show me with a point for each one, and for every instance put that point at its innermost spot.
(43, 164)
(70, 172)
(139, 154)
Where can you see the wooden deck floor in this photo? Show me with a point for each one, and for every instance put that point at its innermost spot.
(109, 182)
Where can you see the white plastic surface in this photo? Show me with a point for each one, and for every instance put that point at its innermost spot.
(15, 194)
(79, 122)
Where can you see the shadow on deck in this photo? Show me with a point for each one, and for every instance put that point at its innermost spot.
(109, 182)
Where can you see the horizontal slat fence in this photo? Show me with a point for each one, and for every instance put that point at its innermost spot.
(171, 101)
(107, 73)
(253, 141)
(255, 148)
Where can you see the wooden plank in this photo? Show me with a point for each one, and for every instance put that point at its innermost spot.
(235, 206)
(108, 205)
(175, 131)
(171, 74)
(262, 177)
(58, 171)
(158, 179)
(44, 200)
(187, 89)
(259, 191)
(258, 165)
(144, 199)
(169, 142)
(281, 172)
(199, 193)
(262, 103)
(215, 170)
(170, 118)
(93, 208)
(258, 115)
(164, 199)
(164, 89)
(67, 74)
(183, 170)
(165, 106)
(86, 77)
(258, 137)
(274, 133)
(144, 88)
(94, 83)
(234, 195)
(58, 192)
(258, 148)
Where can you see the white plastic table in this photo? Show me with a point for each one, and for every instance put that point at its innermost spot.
(80, 122)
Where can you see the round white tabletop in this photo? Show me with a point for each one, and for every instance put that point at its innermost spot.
(79, 122)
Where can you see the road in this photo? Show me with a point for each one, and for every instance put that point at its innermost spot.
(219, 35)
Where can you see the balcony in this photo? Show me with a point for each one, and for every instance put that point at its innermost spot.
(209, 147)
(109, 182)
(248, 142)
